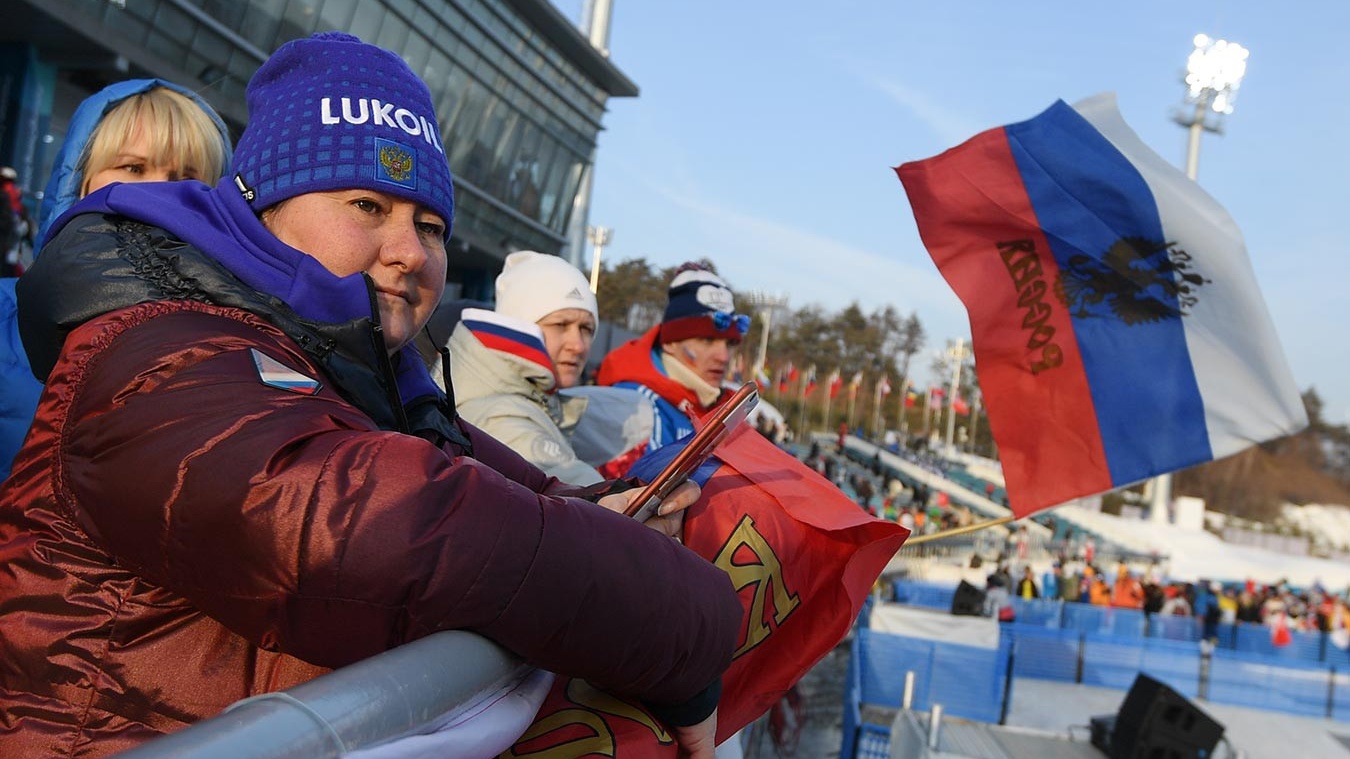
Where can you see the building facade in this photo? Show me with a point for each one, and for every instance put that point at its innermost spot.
(520, 93)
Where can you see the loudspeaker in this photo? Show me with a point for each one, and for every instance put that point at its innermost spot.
(1156, 722)
(968, 600)
(1102, 726)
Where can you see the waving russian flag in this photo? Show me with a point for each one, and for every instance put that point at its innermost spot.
(1117, 324)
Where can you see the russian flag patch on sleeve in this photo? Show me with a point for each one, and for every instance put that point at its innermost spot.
(273, 373)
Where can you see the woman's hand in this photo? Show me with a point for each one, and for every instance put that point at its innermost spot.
(669, 519)
(696, 741)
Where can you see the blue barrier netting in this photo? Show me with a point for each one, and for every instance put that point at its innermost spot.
(1109, 647)
(1071, 642)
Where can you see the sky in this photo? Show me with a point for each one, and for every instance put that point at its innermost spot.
(766, 131)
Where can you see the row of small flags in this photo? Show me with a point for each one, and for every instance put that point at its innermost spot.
(789, 376)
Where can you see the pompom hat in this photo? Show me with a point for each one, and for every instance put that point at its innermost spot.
(699, 304)
(330, 112)
(533, 285)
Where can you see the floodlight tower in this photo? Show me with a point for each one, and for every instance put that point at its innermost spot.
(1214, 71)
(765, 304)
(957, 354)
(599, 237)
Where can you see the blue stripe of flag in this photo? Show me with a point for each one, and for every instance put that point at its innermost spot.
(1129, 367)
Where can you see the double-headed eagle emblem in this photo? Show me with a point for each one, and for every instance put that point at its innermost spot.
(1138, 281)
(397, 163)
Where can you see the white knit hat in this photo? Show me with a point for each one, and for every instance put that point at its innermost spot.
(533, 285)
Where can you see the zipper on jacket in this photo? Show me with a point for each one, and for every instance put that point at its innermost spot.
(382, 353)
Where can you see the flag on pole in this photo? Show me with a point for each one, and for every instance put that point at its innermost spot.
(1117, 322)
(810, 381)
(853, 385)
(911, 397)
(960, 406)
(836, 382)
(884, 387)
(935, 396)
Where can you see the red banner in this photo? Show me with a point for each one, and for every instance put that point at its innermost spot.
(803, 557)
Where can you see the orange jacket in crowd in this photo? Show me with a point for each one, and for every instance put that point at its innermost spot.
(1127, 593)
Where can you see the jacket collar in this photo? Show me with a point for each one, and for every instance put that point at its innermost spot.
(218, 223)
(636, 361)
(100, 263)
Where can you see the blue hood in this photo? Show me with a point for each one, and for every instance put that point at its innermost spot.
(63, 189)
(218, 222)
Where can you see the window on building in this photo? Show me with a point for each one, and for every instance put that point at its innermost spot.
(336, 14)
(366, 21)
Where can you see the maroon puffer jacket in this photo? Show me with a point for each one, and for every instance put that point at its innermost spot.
(177, 535)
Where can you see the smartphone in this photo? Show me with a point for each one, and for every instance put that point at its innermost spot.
(715, 429)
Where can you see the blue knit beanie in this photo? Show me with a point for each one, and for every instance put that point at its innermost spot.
(331, 112)
(699, 304)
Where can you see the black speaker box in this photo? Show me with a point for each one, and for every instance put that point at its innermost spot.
(1102, 726)
(1156, 722)
(968, 600)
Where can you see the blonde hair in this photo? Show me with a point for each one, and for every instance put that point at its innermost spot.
(180, 134)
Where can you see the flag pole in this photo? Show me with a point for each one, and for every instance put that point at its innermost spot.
(953, 532)
(900, 420)
(829, 400)
(876, 411)
(801, 411)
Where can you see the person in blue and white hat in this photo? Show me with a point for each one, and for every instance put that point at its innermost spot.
(241, 474)
(681, 363)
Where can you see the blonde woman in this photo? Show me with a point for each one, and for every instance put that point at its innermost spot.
(140, 130)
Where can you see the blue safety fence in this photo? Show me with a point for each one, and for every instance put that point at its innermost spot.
(1044, 654)
(1175, 627)
(1274, 683)
(929, 595)
(874, 742)
(1340, 695)
(1259, 639)
(1104, 646)
(853, 722)
(977, 683)
(1338, 657)
(968, 681)
(1038, 611)
(970, 685)
(1105, 620)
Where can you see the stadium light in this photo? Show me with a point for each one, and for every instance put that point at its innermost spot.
(599, 237)
(1214, 72)
(765, 304)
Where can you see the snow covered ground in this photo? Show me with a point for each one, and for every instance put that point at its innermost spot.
(1197, 554)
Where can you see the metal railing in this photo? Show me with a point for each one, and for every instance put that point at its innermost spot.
(373, 701)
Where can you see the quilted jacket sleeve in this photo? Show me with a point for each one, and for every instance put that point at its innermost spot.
(303, 528)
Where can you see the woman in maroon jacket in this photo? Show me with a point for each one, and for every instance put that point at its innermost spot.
(241, 476)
